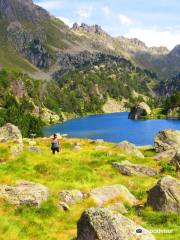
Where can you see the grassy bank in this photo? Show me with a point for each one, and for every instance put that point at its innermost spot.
(71, 169)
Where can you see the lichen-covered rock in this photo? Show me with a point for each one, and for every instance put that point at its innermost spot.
(24, 193)
(139, 111)
(71, 196)
(166, 155)
(176, 161)
(130, 148)
(130, 169)
(103, 224)
(10, 132)
(118, 193)
(165, 195)
(166, 140)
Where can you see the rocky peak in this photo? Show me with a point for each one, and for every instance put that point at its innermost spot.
(91, 29)
(132, 43)
(175, 52)
(137, 42)
(17, 10)
(159, 50)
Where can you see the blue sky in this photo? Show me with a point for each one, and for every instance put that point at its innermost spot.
(155, 22)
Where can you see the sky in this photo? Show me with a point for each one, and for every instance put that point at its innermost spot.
(155, 22)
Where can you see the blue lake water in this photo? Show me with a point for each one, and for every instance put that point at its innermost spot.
(113, 127)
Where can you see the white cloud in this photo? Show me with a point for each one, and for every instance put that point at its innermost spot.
(84, 12)
(50, 5)
(124, 20)
(106, 10)
(155, 37)
(67, 21)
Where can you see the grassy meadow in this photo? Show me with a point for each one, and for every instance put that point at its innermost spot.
(82, 169)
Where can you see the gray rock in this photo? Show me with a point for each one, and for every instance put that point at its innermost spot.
(176, 161)
(103, 224)
(130, 148)
(129, 169)
(27, 45)
(166, 155)
(9, 132)
(103, 195)
(139, 111)
(24, 193)
(71, 196)
(13, 10)
(166, 140)
(165, 195)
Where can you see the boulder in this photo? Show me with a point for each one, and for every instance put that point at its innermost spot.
(139, 111)
(130, 148)
(166, 155)
(10, 132)
(103, 224)
(118, 193)
(176, 161)
(24, 193)
(166, 140)
(165, 195)
(130, 169)
(71, 196)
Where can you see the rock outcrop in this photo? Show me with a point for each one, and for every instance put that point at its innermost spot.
(24, 193)
(13, 10)
(165, 195)
(103, 224)
(70, 62)
(29, 45)
(130, 169)
(118, 193)
(130, 148)
(166, 155)
(176, 161)
(90, 29)
(166, 140)
(139, 111)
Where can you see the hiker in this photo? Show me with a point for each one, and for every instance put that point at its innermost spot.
(55, 144)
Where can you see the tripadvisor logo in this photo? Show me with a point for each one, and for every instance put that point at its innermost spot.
(155, 231)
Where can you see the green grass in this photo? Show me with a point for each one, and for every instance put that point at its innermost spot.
(83, 170)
